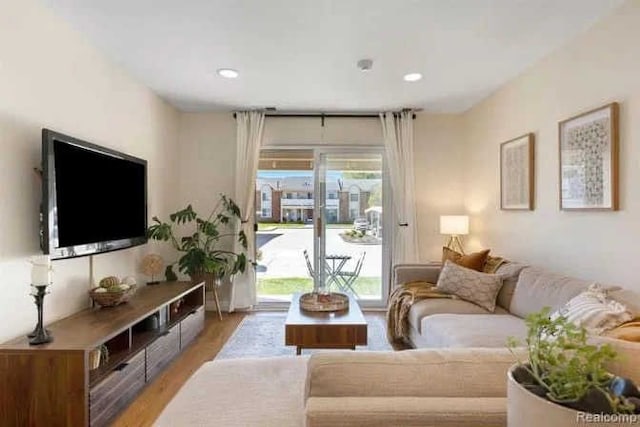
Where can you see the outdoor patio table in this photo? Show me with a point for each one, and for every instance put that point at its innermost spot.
(334, 264)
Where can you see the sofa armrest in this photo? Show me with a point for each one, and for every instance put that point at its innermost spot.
(451, 372)
(405, 273)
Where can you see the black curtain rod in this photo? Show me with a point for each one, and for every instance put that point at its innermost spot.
(323, 116)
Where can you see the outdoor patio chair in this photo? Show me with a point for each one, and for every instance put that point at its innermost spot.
(309, 265)
(348, 278)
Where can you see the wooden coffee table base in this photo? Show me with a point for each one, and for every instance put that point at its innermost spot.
(346, 347)
(340, 330)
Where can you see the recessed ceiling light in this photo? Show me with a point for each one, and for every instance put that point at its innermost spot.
(228, 73)
(412, 77)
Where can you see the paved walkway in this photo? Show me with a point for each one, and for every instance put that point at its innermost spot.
(282, 252)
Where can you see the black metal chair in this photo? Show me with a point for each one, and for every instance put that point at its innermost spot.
(348, 278)
(309, 265)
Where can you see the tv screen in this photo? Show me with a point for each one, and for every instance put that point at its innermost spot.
(94, 198)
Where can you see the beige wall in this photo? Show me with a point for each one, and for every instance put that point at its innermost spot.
(206, 162)
(51, 77)
(285, 131)
(599, 67)
(439, 170)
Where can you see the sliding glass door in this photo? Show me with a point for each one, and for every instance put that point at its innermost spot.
(350, 232)
(320, 221)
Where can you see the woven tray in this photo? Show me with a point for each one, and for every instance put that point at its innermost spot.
(111, 299)
(331, 302)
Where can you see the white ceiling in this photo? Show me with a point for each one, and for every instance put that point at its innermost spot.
(301, 54)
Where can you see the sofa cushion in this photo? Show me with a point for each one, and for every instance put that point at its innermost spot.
(453, 372)
(594, 310)
(430, 306)
(471, 330)
(537, 288)
(474, 261)
(629, 298)
(493, 263)
(473, 286)
(510, 272)
(224, 392)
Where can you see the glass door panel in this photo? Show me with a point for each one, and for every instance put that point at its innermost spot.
(349, 248)
(285, 204)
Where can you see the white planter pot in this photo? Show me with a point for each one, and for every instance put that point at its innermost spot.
(525, 409)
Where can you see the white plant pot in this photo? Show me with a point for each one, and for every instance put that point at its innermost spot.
(525, 409)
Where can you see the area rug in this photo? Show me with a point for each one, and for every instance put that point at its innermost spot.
(262, 335)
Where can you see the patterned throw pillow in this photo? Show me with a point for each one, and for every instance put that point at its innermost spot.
(474, 261)
(470, 285)
(593, 310)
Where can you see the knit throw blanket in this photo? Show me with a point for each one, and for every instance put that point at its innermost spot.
(400, 301)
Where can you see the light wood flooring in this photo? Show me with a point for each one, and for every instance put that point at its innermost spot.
(148, 406)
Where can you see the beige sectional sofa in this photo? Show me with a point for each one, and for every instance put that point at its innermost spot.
(457, 379)
(441, 323)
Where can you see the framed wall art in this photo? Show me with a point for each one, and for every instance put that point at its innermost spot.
(589, 160)
(517, 173)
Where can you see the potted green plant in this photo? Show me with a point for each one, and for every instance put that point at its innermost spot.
(564, 377)
(203, 245)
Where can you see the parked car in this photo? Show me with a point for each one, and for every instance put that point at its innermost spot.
(361, 224)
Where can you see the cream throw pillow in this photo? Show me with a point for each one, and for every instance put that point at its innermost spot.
(593, 310)
(470, 285)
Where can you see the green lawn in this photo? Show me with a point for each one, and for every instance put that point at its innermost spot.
(290, 285)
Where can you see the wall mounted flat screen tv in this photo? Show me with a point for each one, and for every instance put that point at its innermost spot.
(93, 199)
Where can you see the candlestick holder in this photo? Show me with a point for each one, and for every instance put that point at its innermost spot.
(40, 335)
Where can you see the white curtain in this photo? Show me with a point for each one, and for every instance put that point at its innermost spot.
(249, 125)
(397, 130)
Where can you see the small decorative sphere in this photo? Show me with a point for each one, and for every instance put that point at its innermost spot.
(110, 281)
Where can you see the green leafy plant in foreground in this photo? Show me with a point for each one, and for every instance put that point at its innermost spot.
(564, 364)
(202, 245)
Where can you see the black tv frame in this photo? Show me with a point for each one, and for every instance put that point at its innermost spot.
(48, 219)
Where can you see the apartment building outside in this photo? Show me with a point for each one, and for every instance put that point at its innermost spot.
(291, 199)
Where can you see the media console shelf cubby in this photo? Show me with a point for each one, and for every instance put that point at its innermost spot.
(53, 385)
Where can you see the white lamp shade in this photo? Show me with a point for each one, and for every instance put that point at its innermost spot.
(454, 225)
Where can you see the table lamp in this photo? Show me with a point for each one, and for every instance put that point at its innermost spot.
(454, 226)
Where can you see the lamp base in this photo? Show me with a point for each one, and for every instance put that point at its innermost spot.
(455, 244)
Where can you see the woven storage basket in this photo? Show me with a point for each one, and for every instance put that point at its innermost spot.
(331, 302)
(111, 299)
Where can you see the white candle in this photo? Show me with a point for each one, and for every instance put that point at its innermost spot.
(41, 270)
